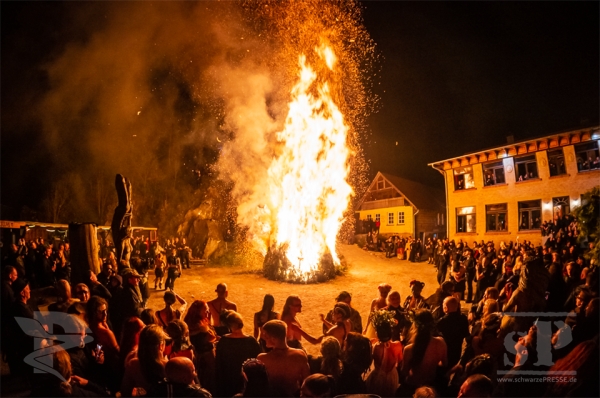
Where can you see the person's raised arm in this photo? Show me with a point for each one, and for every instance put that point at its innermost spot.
(181, 301)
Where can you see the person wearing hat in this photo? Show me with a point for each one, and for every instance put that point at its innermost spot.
(131, 302)
(21, 344)
(355, 318)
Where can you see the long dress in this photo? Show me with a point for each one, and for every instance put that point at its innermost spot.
(383, 380)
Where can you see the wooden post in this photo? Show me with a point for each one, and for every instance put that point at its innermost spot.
(84, 251)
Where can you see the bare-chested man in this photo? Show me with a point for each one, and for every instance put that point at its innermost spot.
(287, 367)
(217, 306)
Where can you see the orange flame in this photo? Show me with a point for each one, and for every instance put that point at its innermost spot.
(308, 182)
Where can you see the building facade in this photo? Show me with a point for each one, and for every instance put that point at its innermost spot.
(505, 193)
(403, 207)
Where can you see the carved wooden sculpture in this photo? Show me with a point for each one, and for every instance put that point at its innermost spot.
(121, 222)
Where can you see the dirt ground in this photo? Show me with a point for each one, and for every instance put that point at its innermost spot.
(366, 270)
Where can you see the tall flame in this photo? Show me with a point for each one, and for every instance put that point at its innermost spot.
(308, 181)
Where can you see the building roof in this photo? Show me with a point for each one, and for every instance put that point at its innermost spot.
(531, 145)
(421, 196)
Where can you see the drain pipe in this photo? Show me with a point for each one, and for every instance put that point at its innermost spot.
(446, 192)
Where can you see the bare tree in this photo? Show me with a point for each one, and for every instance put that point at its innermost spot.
(55, 203)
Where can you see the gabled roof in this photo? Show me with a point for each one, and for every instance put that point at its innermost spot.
(420, 196)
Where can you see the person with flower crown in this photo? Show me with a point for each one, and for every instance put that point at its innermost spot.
(387, 355)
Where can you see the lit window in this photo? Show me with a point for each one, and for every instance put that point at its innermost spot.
(495, 217)
(556, 162)
(493, 173)
(463, 178)
(530, 214)
(588, 157)
(465, 219)
(400, 217)
(526, 167)
(561, 207)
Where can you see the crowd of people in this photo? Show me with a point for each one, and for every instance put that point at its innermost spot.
(419, 346)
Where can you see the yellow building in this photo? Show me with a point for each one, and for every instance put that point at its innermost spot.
(505, 193)
(402, 207)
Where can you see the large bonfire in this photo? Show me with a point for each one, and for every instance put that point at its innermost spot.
(308, 182)
(299, 203)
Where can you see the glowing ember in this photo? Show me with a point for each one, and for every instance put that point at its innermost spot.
(309, 191)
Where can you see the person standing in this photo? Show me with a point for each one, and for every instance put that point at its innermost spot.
(469, 265)
(173, 270)
(219, 305)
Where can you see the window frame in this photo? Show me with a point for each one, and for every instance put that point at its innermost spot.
(392, 218)
(378, 217)
(467, 218)
(527, 161)
(493, 167)
(489, 211)
(560, 201)
(581, 166)
(400, 218)
(530, 216)
(554, 157)
(460, 176)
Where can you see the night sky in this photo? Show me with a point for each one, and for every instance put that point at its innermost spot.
(453, 78)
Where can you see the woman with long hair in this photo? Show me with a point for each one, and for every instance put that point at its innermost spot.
(97, 317)
(130, 338)
(148, 367)
(233, 350)
(203, 337)
(424, 355)
(356, 359)
(331, 362)
(263, 316)
(180, 345)
(168, 314)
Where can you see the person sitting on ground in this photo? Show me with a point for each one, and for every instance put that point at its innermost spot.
(387, 355)
(478, 386)
(256, 380)
(377, 304)
(217, 306)
(318, 385)
(180, 380)
(265, 315)
(168, 314)
(287, 367)
(233, 350)
(355, 318)
(147, 369)
(424, 355)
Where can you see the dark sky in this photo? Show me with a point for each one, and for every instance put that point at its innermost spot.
(454, 77)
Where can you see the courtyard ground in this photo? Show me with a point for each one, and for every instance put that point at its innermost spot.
(366, 270)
